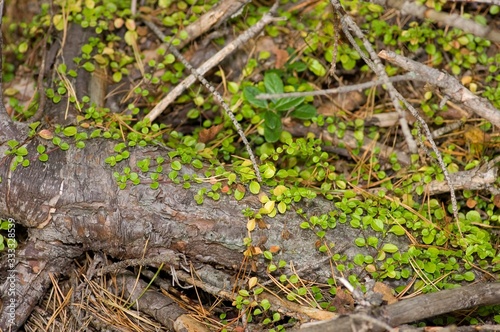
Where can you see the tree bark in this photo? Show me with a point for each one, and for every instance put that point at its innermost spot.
(72, 204)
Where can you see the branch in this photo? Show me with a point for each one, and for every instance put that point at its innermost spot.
(449, 85)
(454, 20)
(342, 89)
(420, 307)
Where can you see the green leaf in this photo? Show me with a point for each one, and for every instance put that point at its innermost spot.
(62, 68)
(265, 304)
(70, 131)
(88, 66)
(22, 151)
(23, 47)
(359, 259)
(304, 112)
(64, 146)
(316, 67)
(281, 207)
(233, 87)
(397, 229)
(473, 216)
(43, 157)
(285, 104)
(360, 242)
(254, 187)
(469, 276)
(272, 126)
(176, 165)
(377, 225)
(305, 225)
(95, 133)
(238, 195)
(389, 247)
(430, 267)
(117, 77)
(197, 163)
(12, 143)
(273, 83)
(250, 92)
(87, 48)
(272, 120)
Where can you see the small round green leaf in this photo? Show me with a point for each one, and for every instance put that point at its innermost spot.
(254, 187)
(70, 131)
(176, 165)
(390, 248)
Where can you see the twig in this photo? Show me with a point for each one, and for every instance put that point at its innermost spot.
(198, 75)
(375, 64)
(480, 178)
(454, 20)
(342, 89)
(449, 85)
(168, 257)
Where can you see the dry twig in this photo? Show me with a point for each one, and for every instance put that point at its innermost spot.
(454, 20)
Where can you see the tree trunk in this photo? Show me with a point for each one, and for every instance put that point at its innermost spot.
(72, 204)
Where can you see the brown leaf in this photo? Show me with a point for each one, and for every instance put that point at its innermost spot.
(471, 203)
(208, 134)
(386, 292)
(274, 249)
(281, 57)
(343, 302)
(496, 200)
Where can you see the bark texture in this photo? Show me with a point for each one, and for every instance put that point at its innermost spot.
(72, 204)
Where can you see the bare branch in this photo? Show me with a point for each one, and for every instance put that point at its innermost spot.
(454, 20)
(342, 89)
(449, 85)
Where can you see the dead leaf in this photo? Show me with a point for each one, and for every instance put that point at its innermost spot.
(386, 291)
(471, 203)
(262, 224)
(274, 249)
(496, 200)
(281, 57)
(46, 134)
(343, 301)
(240, 188)
(208, 134)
